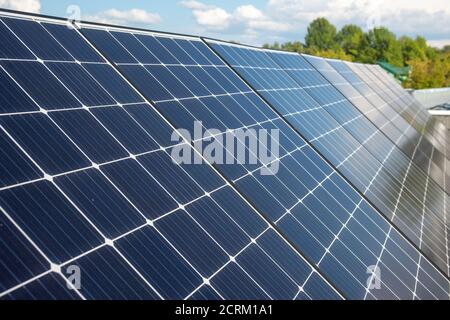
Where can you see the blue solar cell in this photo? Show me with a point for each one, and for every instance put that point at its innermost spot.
(40, 84)
(109, 47)
(432, 281)
(15, 49)
(169, 81)
(102, 203)
(73, 42)
(89, 135)
(204, 175)
(152, 123)
(12, 98)
(145, 82)
(268, 275)
(240, 212)
(193, 242)
(159, 263)
(233, 283)
(50, 220)
(317, 289)
(261, 198)
(136, 48)
(193, 52)
(222, 113)
(285, 256)
(278, 189)
(37, 39)
(207, 53)
(304, 238)
(176, 51)
(237, 110)
(125, 129)
(131, 179)
(48, 287)
(20, 261)
(15, 166)
(343, 278)
(45, 143)
(215, 86)
(81, 84)
(171, 176)
(157, 49)
(305, 215)
(113, 83)
(245, 102)
(205, 293)
(106, 276)
(219, 225)
(179, 117)
(198, 109)
(190, 81)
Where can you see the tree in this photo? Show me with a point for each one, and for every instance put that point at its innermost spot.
(412, 49)
(295, 46)
(332, 54)
(429, 67)
(382, 45)
(321, 35)
(349, 38)
(419, 74)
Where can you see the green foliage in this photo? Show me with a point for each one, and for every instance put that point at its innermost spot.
(411, 49)
(383, 46)
(321, 35)
(429, 67)
(350, 38)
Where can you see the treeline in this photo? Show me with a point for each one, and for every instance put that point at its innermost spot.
(429, 67)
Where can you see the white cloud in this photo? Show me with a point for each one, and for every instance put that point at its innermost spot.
(33, 6)
(401, 16)
(246, 18)
(269, 25)
(114, 16)
(439, 43)
(195, 5)
(216, 18)
(289, 19)
(249, 12)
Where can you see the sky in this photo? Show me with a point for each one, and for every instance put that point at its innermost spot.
(254, 21)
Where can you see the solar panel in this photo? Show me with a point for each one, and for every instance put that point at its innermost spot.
(89, 182)
(423, 140)
(417, 182)
(317, 110)
(88, 178)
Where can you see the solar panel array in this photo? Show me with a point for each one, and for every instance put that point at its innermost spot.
(342, 134)
(87, 116)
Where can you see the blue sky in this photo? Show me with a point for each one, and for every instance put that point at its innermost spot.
(256, 21)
